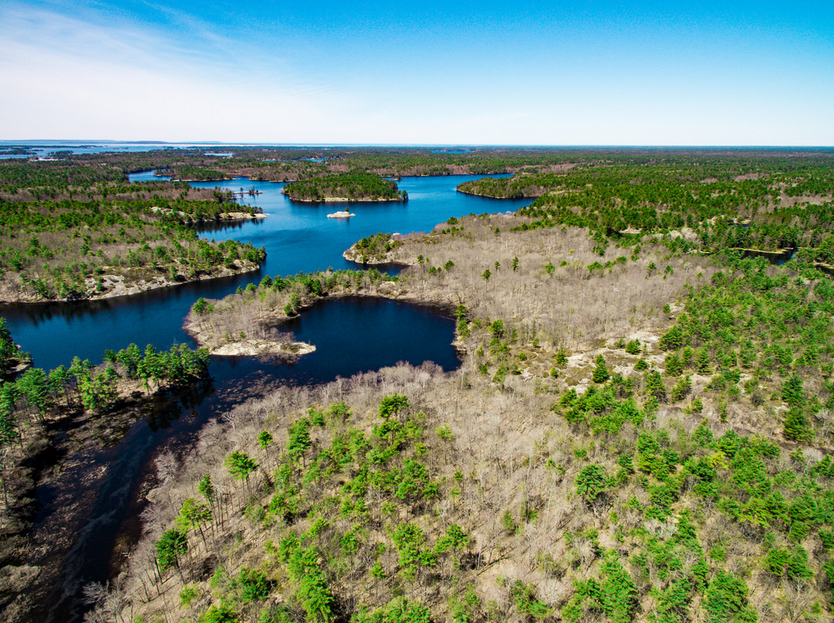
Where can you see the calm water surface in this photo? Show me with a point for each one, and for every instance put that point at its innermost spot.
(298, 237)
(351, 335)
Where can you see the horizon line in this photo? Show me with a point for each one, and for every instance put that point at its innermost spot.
(209, 143)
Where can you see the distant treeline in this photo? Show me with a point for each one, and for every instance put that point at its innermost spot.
(709, 203)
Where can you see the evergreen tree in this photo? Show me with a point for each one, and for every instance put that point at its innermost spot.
(601, 373)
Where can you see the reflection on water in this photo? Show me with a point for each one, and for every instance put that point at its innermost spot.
(298, 237)
(351, 335)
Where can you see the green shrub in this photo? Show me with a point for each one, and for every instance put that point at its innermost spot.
(218, 614)
(188, 594)
(797, 427)
(776, 560)
(798, 568)
(726, 599)
(601, 373)
(682, 389)
(654, 385)
(591, 482)
(253, 585)
(792, 392)
(398, 610)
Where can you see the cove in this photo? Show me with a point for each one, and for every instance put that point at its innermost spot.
(351, 335)
(298, 237)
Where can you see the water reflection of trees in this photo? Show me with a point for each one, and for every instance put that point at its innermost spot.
(213, 226)
(38, 313)
(165, 409)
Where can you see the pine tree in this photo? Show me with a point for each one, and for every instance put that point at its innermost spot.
(601, 373)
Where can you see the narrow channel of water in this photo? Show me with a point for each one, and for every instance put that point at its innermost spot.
(351, 335)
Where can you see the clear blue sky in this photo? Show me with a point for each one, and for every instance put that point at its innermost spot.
(584, 72)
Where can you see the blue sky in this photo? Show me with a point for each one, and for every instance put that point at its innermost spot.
(584, 72)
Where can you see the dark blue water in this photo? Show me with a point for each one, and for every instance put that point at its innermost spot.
(298, 237)
(371, 334)
(351, 335)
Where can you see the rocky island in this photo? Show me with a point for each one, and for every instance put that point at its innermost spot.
(372, 250)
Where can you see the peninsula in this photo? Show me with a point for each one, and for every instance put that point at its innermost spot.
(639, 424)
(73, 230)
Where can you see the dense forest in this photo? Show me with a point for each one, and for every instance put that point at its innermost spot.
(515, 187)
(354, 186)
(777, 203)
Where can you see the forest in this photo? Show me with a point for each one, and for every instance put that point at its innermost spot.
(640, 427)
(353, 186)
(639, 430)
(524, 185)
(70, 231)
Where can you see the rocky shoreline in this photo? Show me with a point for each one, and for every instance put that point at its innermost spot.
(258, 348)
(223, 217)
(348, 200)
(281, 346)
(122, 285)
(355, 255)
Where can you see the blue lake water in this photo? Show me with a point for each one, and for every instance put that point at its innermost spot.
(351, 335)
(298, 237)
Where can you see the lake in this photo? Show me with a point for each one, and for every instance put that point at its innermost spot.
(351, 335)
(298, 237)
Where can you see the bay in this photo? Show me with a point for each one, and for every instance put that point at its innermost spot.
(298, 237)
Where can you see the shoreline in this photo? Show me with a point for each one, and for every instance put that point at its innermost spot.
(121, 290)
(222, 217)
(284, 346)
(485, 196)
(345, 200)
(224, 346)
(352, 255)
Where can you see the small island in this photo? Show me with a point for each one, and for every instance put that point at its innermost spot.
(341, 214)
(345, 187)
